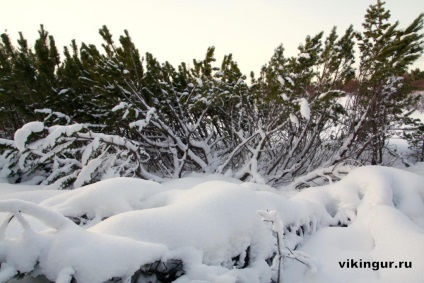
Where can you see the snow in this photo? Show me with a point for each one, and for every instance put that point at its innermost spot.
(220, 229)
(290, 80)
(7, 142)
(56, 131)
(305, 56)
(143, 123)
(294, 119)
(22, 134)
(387, 227)
(63, 91)
(103, 199)
(87, 171)
(281, 80)
(50, 113)
(305, 111)
(120, 106)
(199, 82)
(418, 168)
(91, 147)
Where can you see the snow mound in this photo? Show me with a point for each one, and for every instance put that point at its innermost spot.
(209, 228)
(103, 199)
(70, 251)
(383, 208)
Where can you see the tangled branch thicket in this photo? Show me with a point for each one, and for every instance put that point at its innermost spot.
(115, 113)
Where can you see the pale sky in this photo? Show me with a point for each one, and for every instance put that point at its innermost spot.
(182, 30)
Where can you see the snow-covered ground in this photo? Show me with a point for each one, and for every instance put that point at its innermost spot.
(209, 228)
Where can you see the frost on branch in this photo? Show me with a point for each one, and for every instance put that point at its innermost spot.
(277, 228)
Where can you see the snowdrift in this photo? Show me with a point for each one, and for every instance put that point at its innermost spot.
(215, 229)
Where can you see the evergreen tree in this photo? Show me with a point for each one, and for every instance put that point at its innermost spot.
(386, 52)
(18, 84)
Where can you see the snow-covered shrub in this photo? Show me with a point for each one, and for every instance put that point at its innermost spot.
(299, 114)
(69, 156)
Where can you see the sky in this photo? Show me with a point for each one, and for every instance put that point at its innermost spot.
(182, 30)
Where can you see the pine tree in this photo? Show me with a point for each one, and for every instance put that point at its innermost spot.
(18, 84)
(386, 52)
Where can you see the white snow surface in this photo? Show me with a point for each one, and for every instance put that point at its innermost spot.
(221, 229)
